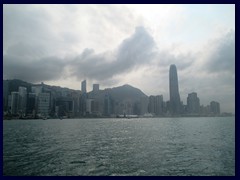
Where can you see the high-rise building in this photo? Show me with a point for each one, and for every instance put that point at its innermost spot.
(43, 104)
(14, 102)
(84, 86)
(95, 87)
(151, 105)
(159, 105)
(144, 105)
(175, 106)
(22, 100)
(31, 103)
(89, 106)
(193, 103)
(83, 98)
(214, 108)
(155, 105)
(107, 105)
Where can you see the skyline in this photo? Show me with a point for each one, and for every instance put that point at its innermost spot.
(113, 45)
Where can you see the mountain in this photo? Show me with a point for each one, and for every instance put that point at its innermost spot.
(126, 92)
(13, 84)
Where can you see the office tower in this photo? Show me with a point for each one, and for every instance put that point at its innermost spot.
(174, 92)
(89, 106)
(22, 100)
(95, 87)
(107, 105)
(144, 105)
(43, 104)
(159, 105)
(193, 103)
(156, 105)
(215, 108)
(83, 98)
(151, 107)
(14, 102)
(84, 86)
(31, 103)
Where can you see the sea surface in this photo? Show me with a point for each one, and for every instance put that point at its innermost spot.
(120, 147)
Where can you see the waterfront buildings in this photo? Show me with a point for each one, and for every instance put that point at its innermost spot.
(43, 100)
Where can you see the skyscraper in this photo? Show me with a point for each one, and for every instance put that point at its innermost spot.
(95, 87)
(193, 103)
(84, 86)
(215, 108)
(174, 92)
(14, 102)
(22, 99)
(83, 98)
(43, 104)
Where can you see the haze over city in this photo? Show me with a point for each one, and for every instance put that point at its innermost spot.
(114, 45)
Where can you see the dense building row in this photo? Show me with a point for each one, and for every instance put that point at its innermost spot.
(44, 101)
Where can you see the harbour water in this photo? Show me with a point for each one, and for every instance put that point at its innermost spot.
(120, 147)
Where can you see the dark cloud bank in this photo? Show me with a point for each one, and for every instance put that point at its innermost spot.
(28, 62)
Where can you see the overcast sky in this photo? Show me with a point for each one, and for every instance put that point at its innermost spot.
(124, 44)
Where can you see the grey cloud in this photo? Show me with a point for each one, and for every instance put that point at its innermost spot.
(31, 63)
(223, 57)
(25, 23)
(43, 69)
(132, 52)
(26, 50)
(182, 61)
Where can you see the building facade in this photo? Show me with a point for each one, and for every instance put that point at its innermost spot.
(193, 103)
(14, 103)
(214, 108)
(175, 105)
(22, 100)
(43, 105)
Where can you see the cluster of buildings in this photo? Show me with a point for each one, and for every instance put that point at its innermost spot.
(193, 108)
(42, 100)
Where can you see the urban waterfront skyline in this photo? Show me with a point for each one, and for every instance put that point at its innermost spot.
(114, 48)
(54, 102)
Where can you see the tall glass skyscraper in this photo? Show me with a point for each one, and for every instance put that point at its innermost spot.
(83, 98)
(175, 105)
(84, 86)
